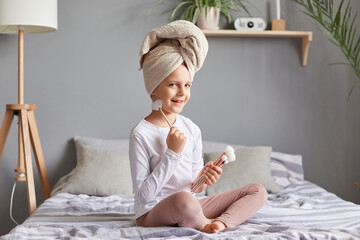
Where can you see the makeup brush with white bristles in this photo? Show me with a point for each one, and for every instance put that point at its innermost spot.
(226, 157)
(157, 106)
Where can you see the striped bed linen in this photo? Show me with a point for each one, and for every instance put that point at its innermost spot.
(300, 210)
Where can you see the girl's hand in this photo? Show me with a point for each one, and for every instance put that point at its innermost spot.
(211, 173)
(176, 140)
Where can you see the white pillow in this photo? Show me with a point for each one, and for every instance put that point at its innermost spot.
(284, 167)
(102, 168)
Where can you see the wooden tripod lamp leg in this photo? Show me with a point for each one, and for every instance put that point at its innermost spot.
(5, 128)
(28, 163)
(38, 153)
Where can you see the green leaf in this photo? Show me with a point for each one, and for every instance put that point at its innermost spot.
(337, 19)
(310, 6)
(196, 15)
(178, 7)
(319, 12)
(337, 29)
(344, 24)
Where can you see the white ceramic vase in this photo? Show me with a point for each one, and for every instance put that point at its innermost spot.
(211, 22)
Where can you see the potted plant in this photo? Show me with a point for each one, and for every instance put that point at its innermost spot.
(339, 25)
(206, 13)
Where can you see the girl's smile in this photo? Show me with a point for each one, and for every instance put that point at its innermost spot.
(178, 102)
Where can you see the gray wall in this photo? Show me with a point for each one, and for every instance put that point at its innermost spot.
(84, 81)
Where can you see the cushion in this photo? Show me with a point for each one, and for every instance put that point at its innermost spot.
(285, 168)
(252, 165)
(102, 169)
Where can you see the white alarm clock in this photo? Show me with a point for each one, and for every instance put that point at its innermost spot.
(250, 24)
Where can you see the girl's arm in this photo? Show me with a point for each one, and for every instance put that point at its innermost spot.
(146, 183)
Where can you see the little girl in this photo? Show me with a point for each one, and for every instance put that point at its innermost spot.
(165, 161)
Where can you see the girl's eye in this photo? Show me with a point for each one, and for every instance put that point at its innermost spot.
(187, 85)
(172, 84)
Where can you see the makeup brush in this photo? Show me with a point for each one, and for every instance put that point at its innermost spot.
(157, 106)
(226, 157)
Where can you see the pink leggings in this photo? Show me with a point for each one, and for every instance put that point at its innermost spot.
(184, 210)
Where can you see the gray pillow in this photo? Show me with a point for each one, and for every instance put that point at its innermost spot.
(252, 165)
(99, 172)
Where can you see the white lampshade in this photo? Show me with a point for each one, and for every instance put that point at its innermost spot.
(32, 16)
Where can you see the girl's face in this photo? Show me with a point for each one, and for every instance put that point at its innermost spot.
(174, 91)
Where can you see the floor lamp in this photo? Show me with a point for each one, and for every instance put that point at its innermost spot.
(20, 17)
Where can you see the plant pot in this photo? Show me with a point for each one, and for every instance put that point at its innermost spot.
(211, 22)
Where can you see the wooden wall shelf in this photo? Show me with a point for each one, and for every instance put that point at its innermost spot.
(306, 37)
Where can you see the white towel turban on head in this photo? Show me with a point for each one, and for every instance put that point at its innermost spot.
(165, 48)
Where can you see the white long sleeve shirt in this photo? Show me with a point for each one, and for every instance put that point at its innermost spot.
(157, 172)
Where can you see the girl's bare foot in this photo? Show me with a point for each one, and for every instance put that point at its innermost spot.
(214, 227)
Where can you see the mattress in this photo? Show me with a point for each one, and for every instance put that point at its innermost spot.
(300, 210)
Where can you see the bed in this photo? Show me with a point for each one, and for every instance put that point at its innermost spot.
(296, 208)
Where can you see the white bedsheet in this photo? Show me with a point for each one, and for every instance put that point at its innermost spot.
(301, 210)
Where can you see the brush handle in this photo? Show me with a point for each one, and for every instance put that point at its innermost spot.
(218, 162)
(202, 181)
(165, 117)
